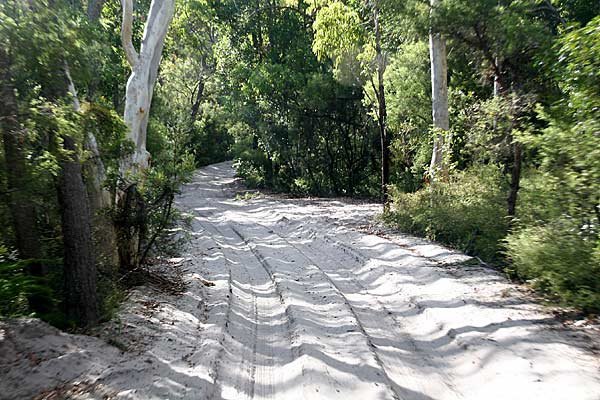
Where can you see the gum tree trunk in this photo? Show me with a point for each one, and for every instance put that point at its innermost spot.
(138, 99)
(439, 98)
(144, 70)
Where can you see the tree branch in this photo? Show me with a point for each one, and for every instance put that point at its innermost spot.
(127, 33)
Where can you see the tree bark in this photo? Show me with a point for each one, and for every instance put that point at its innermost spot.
(22, 209)
(198, 100)
(144, 70)
(130, 228)
(103, 229)
(439, 97)
(516, 149)
(79, 263)
(517, 161)
(104, 232)
(515, 179)
(81, 302)
(138, 99)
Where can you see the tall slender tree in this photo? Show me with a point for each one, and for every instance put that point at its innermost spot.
(381, 107)
(138, 99)
(439, 95)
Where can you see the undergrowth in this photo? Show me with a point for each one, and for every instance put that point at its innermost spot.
(467, 212)
(558, 255)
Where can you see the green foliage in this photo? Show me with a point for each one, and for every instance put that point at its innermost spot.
(408, 103)
(24, 294)
(580, 11)
(173, 166)
(109, 130)
(210, 139)
(560, 260)
(295, 127)
(15, 287)
(493, 38)
(557, 245)
(467, 213)
(569, 148)
(160, 217)
(338, 31)
(484, 129)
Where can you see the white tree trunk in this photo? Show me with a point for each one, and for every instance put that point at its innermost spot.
(144, 69)
(439, 97)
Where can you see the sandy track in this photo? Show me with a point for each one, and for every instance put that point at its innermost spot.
(306, 306)
(367, 317)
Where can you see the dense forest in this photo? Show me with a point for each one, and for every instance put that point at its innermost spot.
(474, 123)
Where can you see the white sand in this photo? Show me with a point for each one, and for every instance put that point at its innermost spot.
(307, 306)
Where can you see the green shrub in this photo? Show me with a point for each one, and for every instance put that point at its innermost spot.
(251, 174)
(18, 289)
(556, 245)
(467, 213)
(560, 260)
(538, 200)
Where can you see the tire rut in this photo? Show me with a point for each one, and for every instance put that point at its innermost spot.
(392, 386)
(364, 313)
(385, 315)
(262, 366)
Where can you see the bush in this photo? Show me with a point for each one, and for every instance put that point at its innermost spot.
(557, 246)
(467, 213)
(560, 260)
(24, 294)
(252, 175)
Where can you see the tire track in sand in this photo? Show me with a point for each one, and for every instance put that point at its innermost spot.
(377, 318)
(254, 293)
(396, 391)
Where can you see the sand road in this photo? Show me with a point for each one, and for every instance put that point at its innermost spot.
(307, 305)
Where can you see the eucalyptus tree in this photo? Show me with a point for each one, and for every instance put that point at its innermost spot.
(144, 70)
(439, 95)
(138, 99)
